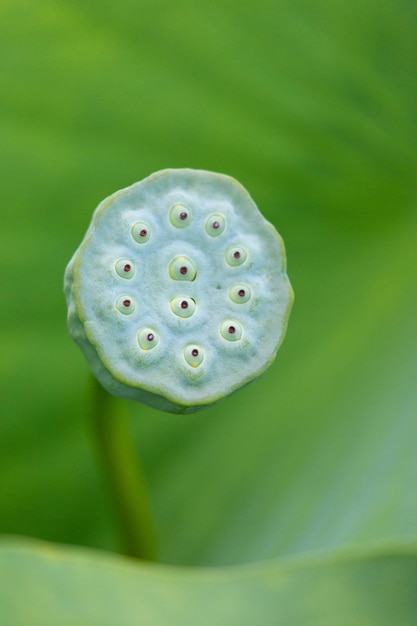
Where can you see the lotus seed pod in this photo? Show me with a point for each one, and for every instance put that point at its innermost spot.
(178, 294)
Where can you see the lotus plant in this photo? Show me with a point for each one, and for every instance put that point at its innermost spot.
(178, 296)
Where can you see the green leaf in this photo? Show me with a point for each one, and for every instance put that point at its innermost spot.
(311, 105)
(44, 585)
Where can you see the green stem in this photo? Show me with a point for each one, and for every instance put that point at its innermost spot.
(124, 474)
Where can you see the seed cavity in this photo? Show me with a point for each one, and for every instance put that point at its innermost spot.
(125, 268)
(240, 293)
(194, 355)
(236, 255)
(180, 215)
(231, 330)
(182, 268)
(183, 307)
(147, 338)
(125, 304)
(215, 224)
(141, 232)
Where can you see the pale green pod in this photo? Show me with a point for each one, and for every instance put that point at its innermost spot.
(178, 294)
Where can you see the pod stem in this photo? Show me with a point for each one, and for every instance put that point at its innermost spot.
(124, 474)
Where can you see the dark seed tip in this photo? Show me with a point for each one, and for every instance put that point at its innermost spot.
(184, 304)
(183, 270)
(194, 352)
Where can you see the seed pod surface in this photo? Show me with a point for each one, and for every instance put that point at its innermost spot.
(178, 294)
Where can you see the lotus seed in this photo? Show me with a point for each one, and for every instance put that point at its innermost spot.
(236, 255)
(231, 330)
(182, 268)
(141, 232)
(180, 215)
(240, 293)
(194, 355)
(190, 340)
(183, 307)
(215, 225)
(125, 305)
(147, 338)
(125, 268)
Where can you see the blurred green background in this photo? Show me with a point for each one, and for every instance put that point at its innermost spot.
(311, 106)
